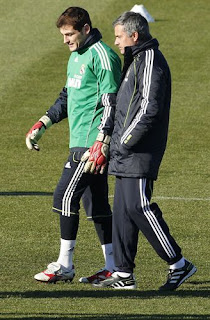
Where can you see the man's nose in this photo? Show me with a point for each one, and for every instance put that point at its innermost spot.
(116, 42)
(65, 39)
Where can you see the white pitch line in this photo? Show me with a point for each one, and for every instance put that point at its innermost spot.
(175, 198)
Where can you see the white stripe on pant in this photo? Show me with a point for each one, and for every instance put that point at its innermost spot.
(132, 212)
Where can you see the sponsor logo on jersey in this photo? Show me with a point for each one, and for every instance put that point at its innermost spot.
(74, 83)
(76, 59)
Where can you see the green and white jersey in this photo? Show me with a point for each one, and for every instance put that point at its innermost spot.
(91, 73)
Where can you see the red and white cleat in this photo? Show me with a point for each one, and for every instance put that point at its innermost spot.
(97, 277)
(55, 272)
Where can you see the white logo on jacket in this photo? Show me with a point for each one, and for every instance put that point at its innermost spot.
(127, 74)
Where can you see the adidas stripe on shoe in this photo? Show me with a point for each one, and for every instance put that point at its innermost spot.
(177, 276)
(55, 272)
(117, 282)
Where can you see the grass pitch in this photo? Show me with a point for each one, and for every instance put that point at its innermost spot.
(33, 67)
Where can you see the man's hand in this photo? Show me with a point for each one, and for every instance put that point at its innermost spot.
(97, 155)
(36, 132)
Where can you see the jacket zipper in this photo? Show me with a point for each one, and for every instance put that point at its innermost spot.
(134, 91)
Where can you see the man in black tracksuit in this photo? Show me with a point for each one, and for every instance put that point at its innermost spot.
(137, 147)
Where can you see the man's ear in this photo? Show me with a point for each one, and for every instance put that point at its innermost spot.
(135, 36)
(86, 28)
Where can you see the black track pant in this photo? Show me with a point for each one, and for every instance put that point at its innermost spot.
(66, 201)
(132, 212)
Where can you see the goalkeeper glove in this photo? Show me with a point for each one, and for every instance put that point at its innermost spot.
(97, 155)
(36, 132)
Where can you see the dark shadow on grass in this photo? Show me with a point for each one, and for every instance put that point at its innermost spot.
(74, 316)
(25, 193)
(105, 293)
(198, 282)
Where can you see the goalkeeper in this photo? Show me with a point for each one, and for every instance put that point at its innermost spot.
(88, 98)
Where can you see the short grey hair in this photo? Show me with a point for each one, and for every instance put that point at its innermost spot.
(134, 22)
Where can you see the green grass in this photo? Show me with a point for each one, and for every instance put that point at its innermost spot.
(33, 67)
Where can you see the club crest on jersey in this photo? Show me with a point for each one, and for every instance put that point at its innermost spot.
(82, 69)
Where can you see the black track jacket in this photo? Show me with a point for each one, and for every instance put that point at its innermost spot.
(142, 113)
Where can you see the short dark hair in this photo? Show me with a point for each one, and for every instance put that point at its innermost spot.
(76, 17)
(132, 21)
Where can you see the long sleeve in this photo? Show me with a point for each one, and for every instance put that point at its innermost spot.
(58, 111)
(107, 121)
(107, 68)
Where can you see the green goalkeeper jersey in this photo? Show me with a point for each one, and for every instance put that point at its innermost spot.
(92, 73)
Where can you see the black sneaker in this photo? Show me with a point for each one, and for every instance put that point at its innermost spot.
(177, 276)
(117, 282)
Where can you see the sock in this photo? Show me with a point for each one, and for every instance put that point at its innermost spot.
(179, 264)
(108, 256)
(66, 253)
(123, 274)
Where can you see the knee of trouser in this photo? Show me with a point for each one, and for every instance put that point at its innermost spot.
(57, 196)
(67, 205)
(156, 210)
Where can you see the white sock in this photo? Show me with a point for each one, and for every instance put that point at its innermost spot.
(108, 256)
(123, 274)
(66, 253)
(179, 264)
